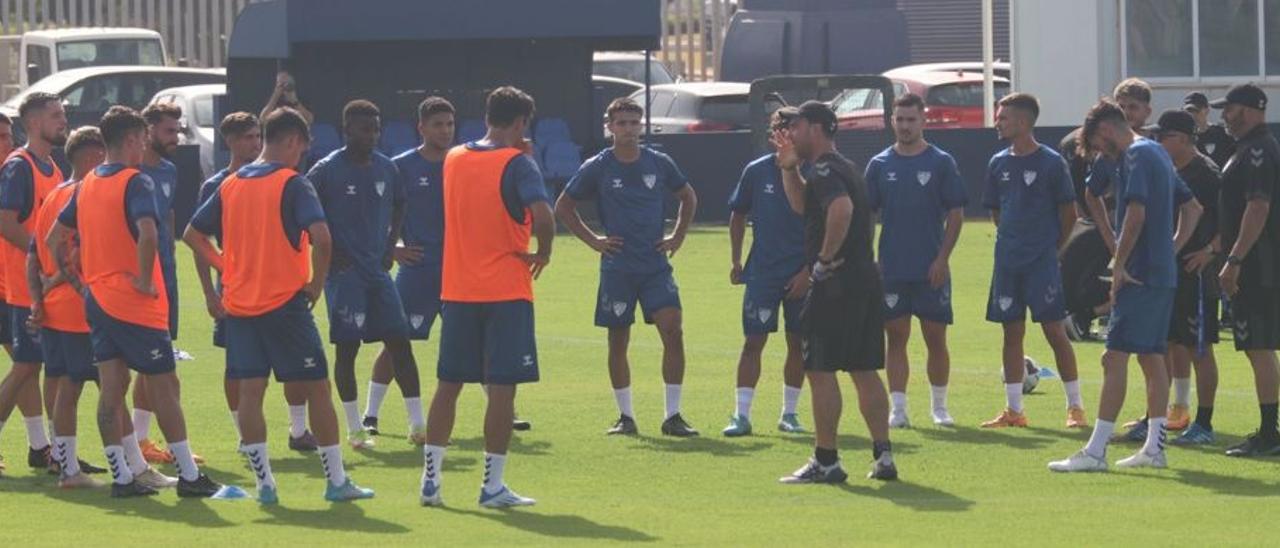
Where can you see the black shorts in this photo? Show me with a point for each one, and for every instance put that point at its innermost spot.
(6, 334)
(1255, 312)
(844, 326)
(1195, 311)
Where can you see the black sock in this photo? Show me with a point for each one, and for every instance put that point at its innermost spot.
(826, 457)
(1268, 419)
(880, 448)
(1204, 417)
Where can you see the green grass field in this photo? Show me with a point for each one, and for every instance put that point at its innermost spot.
(959, 486)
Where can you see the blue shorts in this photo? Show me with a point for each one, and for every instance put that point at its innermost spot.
(419, 288)
(1037, 286)
(619, 292)
(68, 354)
(26, 345)
(760, 303)
(362, 310)
(1140, 320)
(145, 350)
(489, 343)
(284, 341)
(918, 299)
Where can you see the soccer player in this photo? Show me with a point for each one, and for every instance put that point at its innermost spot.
(1194, 326)
(269, 218)
(114, 215)
(630, 184)
(243, 136)
(1211, 139)
(1134, 97)
(1250, 231)
(58, 312)
(917, 189)
(1144, 278)
(775, 277)
(1030, 196)
(494, 200)
(360, 191)
(843, 314)
(28, 175)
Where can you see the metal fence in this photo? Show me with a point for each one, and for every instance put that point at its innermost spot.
(693, 36)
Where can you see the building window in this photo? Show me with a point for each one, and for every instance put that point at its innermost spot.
(1228, 37)
(1159, 38)
(1271, 10)
(1182, 39)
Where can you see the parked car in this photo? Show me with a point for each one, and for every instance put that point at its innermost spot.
(630, 66)
(604, 90)
(29, 57)
(198, 123)
(701, 107)
(952, 96)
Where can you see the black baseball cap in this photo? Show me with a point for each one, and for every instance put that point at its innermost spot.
(1247, 95)
(1195, 99)
(1180, 121)
(814, 112)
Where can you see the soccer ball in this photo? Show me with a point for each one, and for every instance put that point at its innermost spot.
(1032, 377)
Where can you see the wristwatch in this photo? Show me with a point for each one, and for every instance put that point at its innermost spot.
(1232, 259)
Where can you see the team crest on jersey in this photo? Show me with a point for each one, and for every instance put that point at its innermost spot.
(1029, 177)
(1210, 147)
(416, 320)
(351, 190)
(1005, 303)
(764, 314)
(650, 181)
(617, 183)
(923, 177)
(891, 176)
(358, 317)
(891, 300)
(380, 187)
(167, 189)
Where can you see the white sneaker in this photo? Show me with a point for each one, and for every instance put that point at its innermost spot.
(1143, 460)
(155, 480)
(942, 417)
(504, 498)
(898, 419)
(1080, 462)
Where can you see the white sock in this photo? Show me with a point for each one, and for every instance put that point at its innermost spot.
(673, 400)
(1155, 435)
(1013, 396)
(133, 455)
(790, 399)
(141, 424)
(261, 465)
(376, 393)
(331, 459)
(297, 420)
(235, 419)
(116, 461)
(36, 436)
(352, 410)
(414, 407)
(1182, 391)
(1073, 394)
(623, 397)
(493, 466)
(938, 395)
(1102, 431)
(184, 460)
(899, 400)
(433, 464)
(64, 451)
(53, 433)
(743, 399)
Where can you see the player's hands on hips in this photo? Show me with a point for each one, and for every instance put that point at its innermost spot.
(537, 262)
(799, 284)
(1198, 260)
(785, 149)
(671, 244)
(1230, 279)
(313, 290)
(735, 274)
(143, 286)
(939, 273)
(606, 245)
(408, 254)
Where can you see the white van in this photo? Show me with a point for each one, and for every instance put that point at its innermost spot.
(27, 58)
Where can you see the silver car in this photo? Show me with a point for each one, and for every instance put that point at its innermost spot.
(198, 123)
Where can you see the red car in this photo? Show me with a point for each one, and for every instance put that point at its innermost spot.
(952, 94)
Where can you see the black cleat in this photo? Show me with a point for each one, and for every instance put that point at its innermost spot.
(305, 443)
(131, 489)
(370, 425)
(883, 471)
(626, 426)
(55, 468)
(1256, 445)
(202, 487)
(521, 425)
(40, 458)
(676, 426)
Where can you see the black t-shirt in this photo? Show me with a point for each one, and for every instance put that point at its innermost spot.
(1201, 174)
(1253, 172)
(832, 177)
(1216, 143)
(1079, 164)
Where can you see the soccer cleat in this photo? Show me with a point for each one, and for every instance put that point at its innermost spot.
(883, 470)
(1006, 419)
(370, 425)
(1137, 434)
(1080, 462)
(1179, 418)
(134, 488)
(89, 468)
(626, 426)
(942, 417)
(1075, 418)
(154, 479)
(306, 442)
(738, 426)
(676, 426)
(790, 423)
(1135, 422)
(1142, 459)
(154, 454)
(431, 494)
(504, 498)
(418, 436)
(521, 425)
(361, 440)
(898, 419)
(346, 492)
(79, 481)
(1194, 435)
(1256, 445)
(40, 458)
(201, 487)
(267, 496)
(812, 472)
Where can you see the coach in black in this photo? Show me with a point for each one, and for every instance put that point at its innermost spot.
(1250, 226)
(1212, 139)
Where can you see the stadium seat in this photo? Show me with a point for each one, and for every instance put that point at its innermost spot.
(397, 136)
(561, 160)
(470, 130)
(324, 139)
(551, 130)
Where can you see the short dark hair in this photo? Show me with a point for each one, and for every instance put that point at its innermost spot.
(118, 123)
(909, 100)
(506, 104)
(622, 104)
(359, 107)
(283, 122)
(35, 100)
(1106, 111)
(5, 119)
(157, 112)
(1133, 88)
(237, 123)
(432, 106)
(82, 138)
(1025, 102)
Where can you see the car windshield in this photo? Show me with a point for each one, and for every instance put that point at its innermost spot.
(633, 70)
(967, 94)
(204, 111)
(94, 53)
(734, 110)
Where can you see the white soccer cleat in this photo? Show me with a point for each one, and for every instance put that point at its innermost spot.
(942, 417)
(1079, 462)
(898, 419)
(1142, 459)
(504, 498)
(155, 480)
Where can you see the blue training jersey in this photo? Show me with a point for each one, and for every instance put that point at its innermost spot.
(1147, 177)
(357, 201)
(1027, 190)
(913, 194)
(777, 231)
(422, 181)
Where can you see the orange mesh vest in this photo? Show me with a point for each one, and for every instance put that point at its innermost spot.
(63, 307)
(261, 270)
(18, 293)
(109, 253)
(482, 242)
